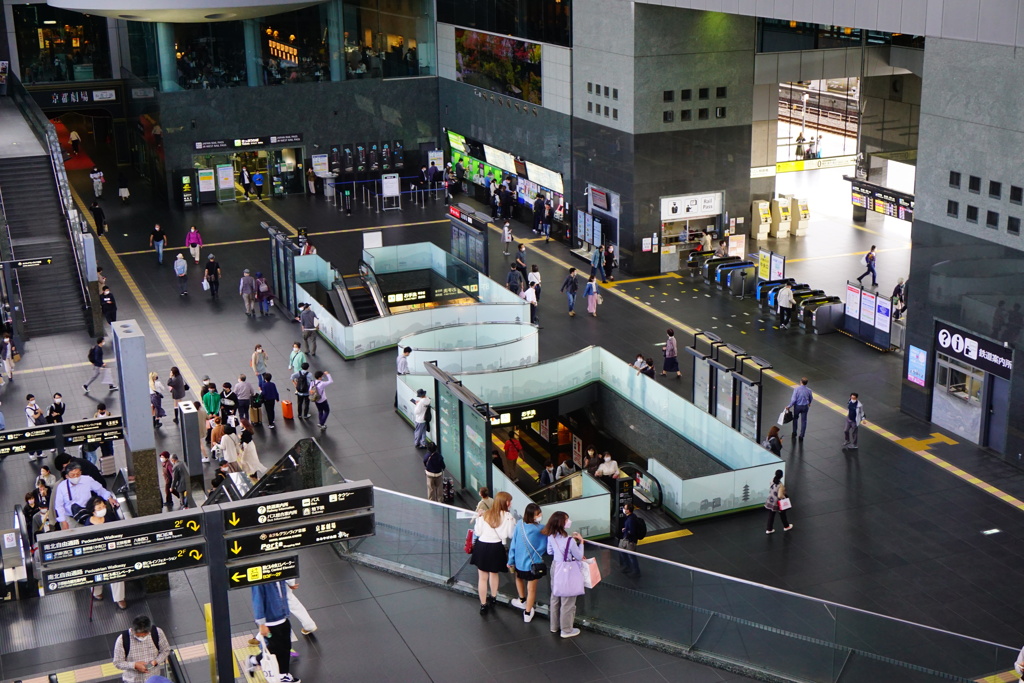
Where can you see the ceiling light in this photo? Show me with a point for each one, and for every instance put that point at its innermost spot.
(50, 22)
(989, 532)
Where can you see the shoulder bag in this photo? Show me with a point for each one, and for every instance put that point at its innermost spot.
(567, 578)
(538, 569)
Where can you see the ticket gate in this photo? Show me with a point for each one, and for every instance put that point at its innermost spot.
(696, 260)
(800, 297)
(823, 315)
(721, 273)
(764, 286)
(739, 280)
(711, 266)
(774, 293)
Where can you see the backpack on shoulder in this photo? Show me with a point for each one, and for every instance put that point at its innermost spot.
(640, 526)
(127, 637)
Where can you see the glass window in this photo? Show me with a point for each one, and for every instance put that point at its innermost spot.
(992, 219)
(615, 114)
(1013, 225)
(686, 115)
(383, 38)
(546, 21)
(208, 54)
(954, 179)
(668, 96)
(702, 114)
(974, 184)
(953, 209)
(720, 92)
(590, 106)
(1016, 194)
(685, 95)
(972, 214)
(294, 47)
(56, 45)
(811, 116)
(606, 89)
(995, 189)
(668, 116)
(590, 87)
(615, 93)
(704, 93)
(719, 112)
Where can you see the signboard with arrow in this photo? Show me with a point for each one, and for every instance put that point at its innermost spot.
(245, 574)
(332, 530)
(289, 508)
(115, 537)
(106, 569)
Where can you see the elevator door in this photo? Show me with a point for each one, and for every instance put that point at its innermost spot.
(998, 413)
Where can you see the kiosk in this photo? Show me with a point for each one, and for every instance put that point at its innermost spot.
(780, 218)
(801, 216)
(761, 220)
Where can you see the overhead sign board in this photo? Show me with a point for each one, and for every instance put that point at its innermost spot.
(316, 532)
(881, 199)
(284, 508)
(685, 206)
(966, 346)
(115, 537)
(245, 574)
(130, 565)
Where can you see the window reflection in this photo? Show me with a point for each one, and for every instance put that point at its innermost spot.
(294, 47)
(382, 39)
(58, 45)
(210, 55)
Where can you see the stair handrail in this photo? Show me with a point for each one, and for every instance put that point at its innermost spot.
(369, 279)
(47, 136)
(10, 247)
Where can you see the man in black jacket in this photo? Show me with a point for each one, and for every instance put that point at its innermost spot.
(108, 305)
(98, 366)
(433, 463)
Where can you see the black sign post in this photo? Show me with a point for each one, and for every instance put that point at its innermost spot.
(974, 350)
(60, 434)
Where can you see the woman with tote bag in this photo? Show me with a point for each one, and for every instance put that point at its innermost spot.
(566, 573)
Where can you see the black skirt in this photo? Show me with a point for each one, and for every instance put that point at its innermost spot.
(672, 364)
(489, 557)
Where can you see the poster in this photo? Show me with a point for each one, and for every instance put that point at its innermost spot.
(207, 180)
(598, 237)
(577, 450)
(581, 223)
(764, 264)
(645, 245)
(436, 157)
(778, 266)
(737, 245)
(867, 307)
(853, 301)
(390, 185)
(917, 365)
(320, 164)
(588, 228)
(883, 314)
(225, 177)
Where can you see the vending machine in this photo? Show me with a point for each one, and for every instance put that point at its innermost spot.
(801, 216)
(780, 218)
(761, 219)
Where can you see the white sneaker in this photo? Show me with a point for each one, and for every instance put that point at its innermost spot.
(253, 664)
(206, 460)
(528, 616)
(288, 678)
(307, 632)
(571, 634)
(518, 604)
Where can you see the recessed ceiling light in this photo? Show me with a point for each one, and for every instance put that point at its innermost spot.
(50, 21)
(989, 532)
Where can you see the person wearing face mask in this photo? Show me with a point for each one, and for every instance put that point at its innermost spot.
(47, 476)
(608, 469)
(167, 469)
(179, 480)
(490, 532)
(140, 650)
(34, 416)
(526, 559)
(98, 507)
(71, 501)
(224, 469)
(548, 477)
(628, 538)
(563, 548)
(55, 412)
(591, 460)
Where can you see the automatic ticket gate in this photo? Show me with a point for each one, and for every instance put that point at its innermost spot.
(773, 294)
(711, 266)
(764, 287)
(696, 260)
(823, 315)
(738, 278)
(800, 297)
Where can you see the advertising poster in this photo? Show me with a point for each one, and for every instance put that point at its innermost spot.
(588, 229)
(398, 154)
(503, 65)
(577, 450)
(645, 244)
(917, 365)
(853, 301)
(206, 180)
(226, 177)
(321, 163)
(883, 314)
(581, 224)
(737, 245)
(778, 266)
(764, 264)
(598, 236)
(867, 307)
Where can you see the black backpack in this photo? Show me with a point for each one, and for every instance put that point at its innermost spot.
(92, 355)
(428, 415)
(639, 527)
(126, 640)
(302, 386)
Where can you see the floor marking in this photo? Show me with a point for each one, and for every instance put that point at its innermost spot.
(616, 283)
(852, 253)
(377, 227)
(183, 249)
(161, 334)
(86, 364)
(1005, 677)
(785, 381)
(924, 444)
(667, 536)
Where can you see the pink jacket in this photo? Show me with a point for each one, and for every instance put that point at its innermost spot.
(193, 239)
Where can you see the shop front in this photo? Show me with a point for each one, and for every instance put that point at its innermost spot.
(684, 220)
(278, 159)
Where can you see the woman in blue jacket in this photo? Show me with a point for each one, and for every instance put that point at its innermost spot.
(526, 548)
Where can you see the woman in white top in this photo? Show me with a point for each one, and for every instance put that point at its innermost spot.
(230, 445)
(534, 276)
(490, 533)
(156, 397)
(506, 237)
(247, 456)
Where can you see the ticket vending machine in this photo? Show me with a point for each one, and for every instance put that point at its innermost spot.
(761, 219)
(801, 216)
(780, 218)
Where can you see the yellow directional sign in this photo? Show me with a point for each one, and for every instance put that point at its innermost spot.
(235, 548)
(234, 519)
(243, 575)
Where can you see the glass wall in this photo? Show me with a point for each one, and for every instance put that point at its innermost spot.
(546, 21)
(388, 38)
(56, 45)
(818, 118)
(777, 35)
(210, 55)
(139, 53)
(294, 47)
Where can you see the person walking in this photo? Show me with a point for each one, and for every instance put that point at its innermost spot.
(7, 352)
(76, 142)
(108, 305)
(246, 182)
(179, 480)
(123, 193)
(258, 362)
(773, 442)
(785, 300)
(526, 558)
(777, 493)
(433, 464)
(491, 531)
(671, 355)
(298, 610)
(870, 260)
(421, 418)
(302, 380)
(591, 295)
(264, 297)
(563, 548)
(629, 535)
(309, 323)
(156, 241)
(247, 290)
(96, 175)
(99, 217)
(597, 262)
(257, 183)
(318, 394)
(194, 242)
(521, 262)
(156, 398)
(176, 385)
(296, 358)
(228, 403)
(854, 418)
(141, 650)
(533, 278)
(270, 398)
(212, 275)
(570, 286)
(800, 404)
(181, 272)
(514, 280)
(513, 449)
(98, 366)
(506, 237)
(270, 610)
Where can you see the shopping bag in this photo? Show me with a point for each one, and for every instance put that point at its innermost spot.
(469, 542)
(785, 417)
(591, 572)
(107, 377)
(271, 669)
(785, 504)
(206, 285)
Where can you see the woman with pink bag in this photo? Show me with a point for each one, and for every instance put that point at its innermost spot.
(566, 573)
(777, 501)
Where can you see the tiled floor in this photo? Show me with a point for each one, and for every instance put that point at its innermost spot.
(880, 529)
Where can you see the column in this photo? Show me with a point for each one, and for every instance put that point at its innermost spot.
(332, 17)
(166, 57)
(253, 53)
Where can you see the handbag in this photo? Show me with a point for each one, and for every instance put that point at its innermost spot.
(600, 299)
(16, 357)
(469, 542)
(268, 662)
(785, 504)
(591, 572)
(206, 285)
(567, 578)
(538, 569)
(786, 416)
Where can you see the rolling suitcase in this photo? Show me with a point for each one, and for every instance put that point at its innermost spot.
(286, 410)
(255, 415)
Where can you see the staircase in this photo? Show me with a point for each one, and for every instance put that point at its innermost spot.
(51, 294)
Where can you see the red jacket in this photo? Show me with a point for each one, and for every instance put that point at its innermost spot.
(513, 448)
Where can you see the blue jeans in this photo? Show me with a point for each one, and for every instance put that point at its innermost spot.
(419, 434)
(800, 413)
(870, 271)
(159, 246)
(323, 409)
(627, 562)
(572, 300)
(264, 306)
(598, 270)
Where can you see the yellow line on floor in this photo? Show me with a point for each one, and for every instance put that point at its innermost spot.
(161, 334)
(522, 463)
(184, 250)
(280, 221)
(615, 283)
(852, 253)
(667, 536)
(67, 366)
(831, 405)
(377, 227)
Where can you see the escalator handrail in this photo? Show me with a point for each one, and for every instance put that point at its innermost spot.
(346, 301)
(29, 556)
(556, 483)
(369, 279)
(661, 494)
(176, 668)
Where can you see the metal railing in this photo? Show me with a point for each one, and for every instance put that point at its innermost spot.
(7, 252)
(369, 279)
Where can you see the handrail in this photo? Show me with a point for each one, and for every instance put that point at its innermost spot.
(346, 300)
(369, 279)
(10, 247)
(28, 557)
(552, 486)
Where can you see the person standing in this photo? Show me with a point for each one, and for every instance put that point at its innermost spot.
(97, 181)
(402, 362)
(899, 304)
(514, 280)
(610, 262)
(318, 394)
(563, 548)
(247, 290)
(533, 278)
(506, 237)
(7, 352)
(773, 442)
(156, 398)
(243, 391)
(99, 217)
(590, 294)
(521, 262)
(800, 404)
(212, 275)
(246, 181)
(302, 381)
(513, 449)
(258, 363)
(228, 403)
(524, 553)
(143, 648)
(176, 385)
(108, 305)
(179, 480)
(270, 398)
(98, 508)
(854, 418)
(433, 464)
(34, 417)
(309, 323)
(491, 531)
(671, 355)
(776, 492)
(270, 610)
(529, 295)
(76, 142)
(181, 272)
(597, 262)
(156, 241)
(628, 538)
(421, 418)
(167, 470)
(296, 358)
(785, 300)
(870, 260)
(257, 183)
(570, 286)
(264, 297)
(55, 412)
(545, 224)
(98, 366)
(706, 241)
(194, 242)
(123, 193)
(538, 212)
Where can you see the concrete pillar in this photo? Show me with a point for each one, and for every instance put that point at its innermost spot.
(166, 57)
(332, 17)
(140, 447)
(253, 56)
(191, 442)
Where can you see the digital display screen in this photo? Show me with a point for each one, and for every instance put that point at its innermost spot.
(544, 177)
(503, 160)
(520, 168)
(457, 142)
(882, 200)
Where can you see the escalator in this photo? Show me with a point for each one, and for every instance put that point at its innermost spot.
(362, 302)
(359, 296)
(648, 499)
(305, 466)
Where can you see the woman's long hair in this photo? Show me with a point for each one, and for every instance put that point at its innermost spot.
(556, 524)
(502, 502)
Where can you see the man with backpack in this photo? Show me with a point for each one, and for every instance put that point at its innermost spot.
(140, 650)
(98, 366)
(634, 529)
(302, 381)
